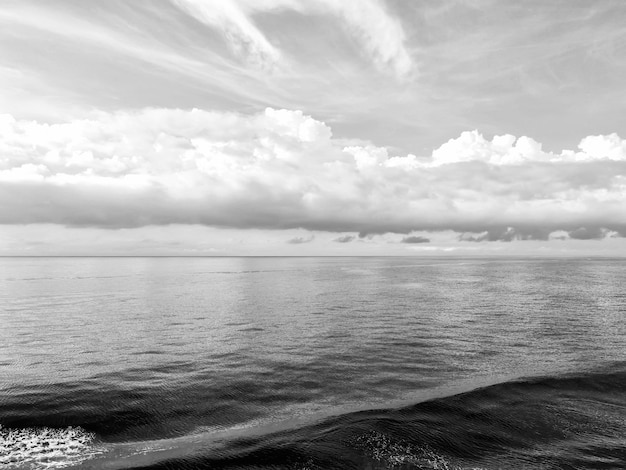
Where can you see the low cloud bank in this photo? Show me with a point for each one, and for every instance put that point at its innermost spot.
(415, 239)
(282, 169)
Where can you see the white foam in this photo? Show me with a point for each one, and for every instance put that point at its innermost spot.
(393, 454)
(44, 448)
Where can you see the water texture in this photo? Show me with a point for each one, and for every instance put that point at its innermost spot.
(312, 363)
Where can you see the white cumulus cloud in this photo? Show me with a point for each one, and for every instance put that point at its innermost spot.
(283, 169)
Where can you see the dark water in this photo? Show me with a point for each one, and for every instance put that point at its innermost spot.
(312, 363)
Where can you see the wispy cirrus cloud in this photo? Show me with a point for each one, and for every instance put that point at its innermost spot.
(352, 63)
(243, 36)
(380, 34)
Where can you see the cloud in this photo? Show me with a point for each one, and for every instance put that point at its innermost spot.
(415, 239)
(591, 233)
(300, 240)
(472, 146)
(506, 234)
(245, 39)
(603, 146)
(282, 169)
(380, 35)
(345, 239)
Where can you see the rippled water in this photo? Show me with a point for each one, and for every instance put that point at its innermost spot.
(132, 362)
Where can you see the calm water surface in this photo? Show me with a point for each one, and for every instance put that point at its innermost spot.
(311, 362)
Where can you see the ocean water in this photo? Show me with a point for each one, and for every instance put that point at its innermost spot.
(312, 363)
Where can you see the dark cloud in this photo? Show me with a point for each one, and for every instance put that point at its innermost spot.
(470, 237)
(588, 233)
(507, 234)
(560, 236)
(345, 239)
(300, 240)
(503, 235)
(99, 206)
(415, 239)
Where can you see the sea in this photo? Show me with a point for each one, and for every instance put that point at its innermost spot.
(312, 363)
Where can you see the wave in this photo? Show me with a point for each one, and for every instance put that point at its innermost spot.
(550, 422)
(573, 421)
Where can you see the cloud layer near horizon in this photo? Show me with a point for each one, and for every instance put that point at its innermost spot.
(282, 169)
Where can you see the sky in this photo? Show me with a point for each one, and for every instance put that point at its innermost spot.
(317, 127)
